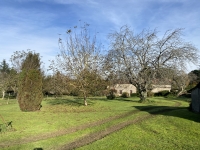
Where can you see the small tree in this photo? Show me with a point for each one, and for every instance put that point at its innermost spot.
(4, 77)
(30, 81)
(180, 81)
(80, 60)
(4, 67)
(3, 83)
(57, 84)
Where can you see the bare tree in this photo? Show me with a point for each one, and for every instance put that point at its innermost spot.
(17, 59)
(4, 77)
(144, 57)
(56, 84)
(79, 57)
(180, 80)
(3, 83)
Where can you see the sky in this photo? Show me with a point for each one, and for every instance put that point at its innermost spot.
(37, 24)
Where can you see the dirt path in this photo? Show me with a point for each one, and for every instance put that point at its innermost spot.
(69, 130)
(89, 138)
(101, 134)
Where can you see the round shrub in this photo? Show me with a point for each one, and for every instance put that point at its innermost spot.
(111, 94)
(125, 95)
(150, 94)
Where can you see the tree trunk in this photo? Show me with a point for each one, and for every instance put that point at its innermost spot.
(143, 96)
(8, 98)
(142, 90)
(3, 92)
(181, 91)
(85, 101)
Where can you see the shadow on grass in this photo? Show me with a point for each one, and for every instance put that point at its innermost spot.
(181, 112)
(130, 99)
(78, 101)
(127, 100)
(73, 102)
(99, 98)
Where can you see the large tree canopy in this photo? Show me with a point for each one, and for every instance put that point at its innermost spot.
(146, 56)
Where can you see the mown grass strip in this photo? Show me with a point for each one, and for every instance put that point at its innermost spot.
(89, 127)
(71, 130)
(101, 134)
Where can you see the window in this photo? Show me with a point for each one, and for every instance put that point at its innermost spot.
(120, 91)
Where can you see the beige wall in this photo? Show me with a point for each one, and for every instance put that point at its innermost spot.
(121, 88)
(158, 88)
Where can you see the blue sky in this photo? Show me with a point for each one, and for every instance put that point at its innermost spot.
(35, 24)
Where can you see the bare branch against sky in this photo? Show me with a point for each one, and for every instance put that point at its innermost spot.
(37, 24)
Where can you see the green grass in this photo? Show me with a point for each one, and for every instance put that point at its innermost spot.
(62, 121)
(166, 131)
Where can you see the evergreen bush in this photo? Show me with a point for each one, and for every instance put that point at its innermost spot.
(30, 82)
(30, 90)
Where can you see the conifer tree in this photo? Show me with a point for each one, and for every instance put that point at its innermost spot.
(30, 83)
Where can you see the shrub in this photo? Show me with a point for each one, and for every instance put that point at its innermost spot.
(125, 95)
(29, 93)
(75, 92)
(111, 94)
(174, 92)
(150, 94)
(30, 90)
(134, 95)
(162, 93)
(187, 95)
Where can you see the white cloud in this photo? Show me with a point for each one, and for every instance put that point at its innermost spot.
(46, 46)
(90, 2)
(29, 27)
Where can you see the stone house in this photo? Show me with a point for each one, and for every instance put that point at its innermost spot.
(121, 88)
(129, 88)
(158, 88)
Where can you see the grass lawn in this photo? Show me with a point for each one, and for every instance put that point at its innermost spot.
(104, 124)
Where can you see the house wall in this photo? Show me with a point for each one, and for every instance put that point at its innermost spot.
(196, 100)
(158, 88)
(121, 88)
